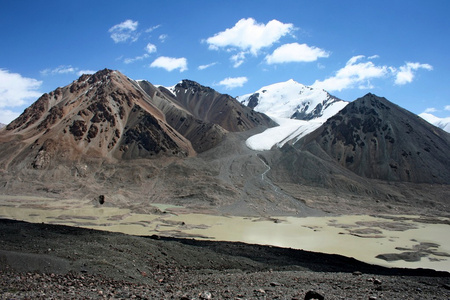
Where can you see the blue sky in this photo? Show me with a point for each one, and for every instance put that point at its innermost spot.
(396, 49)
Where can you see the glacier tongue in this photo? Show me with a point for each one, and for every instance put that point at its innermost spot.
(288, 129)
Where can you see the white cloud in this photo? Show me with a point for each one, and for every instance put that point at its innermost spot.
(430, 110)
(16, 90)
(406, 73)
(238, 59)
(233, 82)
(295, 52)
(81, 72)
(356, 73)
(59, 70)
(148, 30)
(6, 116)
(447, 107)
(132, 60)
(202, 67)
(248, 35)
(124, 31)
(163, 37)
(65, 70)
(170, 63)
(150, 48)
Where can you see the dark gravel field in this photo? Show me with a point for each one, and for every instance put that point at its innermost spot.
(39, 261)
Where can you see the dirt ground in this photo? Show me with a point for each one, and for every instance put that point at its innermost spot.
(39, 261)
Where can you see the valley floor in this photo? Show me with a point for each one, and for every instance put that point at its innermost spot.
(39, 261)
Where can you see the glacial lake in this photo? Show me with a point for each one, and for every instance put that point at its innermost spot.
(392, 241)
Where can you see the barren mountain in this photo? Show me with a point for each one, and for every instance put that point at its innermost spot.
(206, 104)
(203, 115)
(375, 138)
(105, 115)
(371, 156)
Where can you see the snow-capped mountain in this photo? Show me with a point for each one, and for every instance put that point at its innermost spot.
(443, 123)
(2, 125)
(297, 108)
(293, 100)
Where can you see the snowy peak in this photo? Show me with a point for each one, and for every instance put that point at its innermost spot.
(443, 123)
(293, 100)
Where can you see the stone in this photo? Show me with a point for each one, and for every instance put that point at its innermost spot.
(313, 295)
(205, 295)
(275, 284)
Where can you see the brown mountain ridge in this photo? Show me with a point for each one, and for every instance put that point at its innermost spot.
(110, 116)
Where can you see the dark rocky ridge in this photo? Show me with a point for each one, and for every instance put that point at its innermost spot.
(221, 109)
(371, 152)
(317, 112)
(377, 139)
(202, 135)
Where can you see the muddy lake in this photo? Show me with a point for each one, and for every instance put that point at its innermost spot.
(387, 240)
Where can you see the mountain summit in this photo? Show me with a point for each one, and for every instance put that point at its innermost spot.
(298, 110)
(293, 100)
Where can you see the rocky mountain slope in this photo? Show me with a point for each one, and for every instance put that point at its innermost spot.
(375, 138)
(203, 115)
(207, 104)
(104, 115)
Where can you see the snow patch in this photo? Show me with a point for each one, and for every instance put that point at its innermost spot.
(288, 129)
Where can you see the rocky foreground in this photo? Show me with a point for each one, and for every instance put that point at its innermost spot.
(39, 261)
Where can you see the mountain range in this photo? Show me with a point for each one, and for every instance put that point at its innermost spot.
(137, 143)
